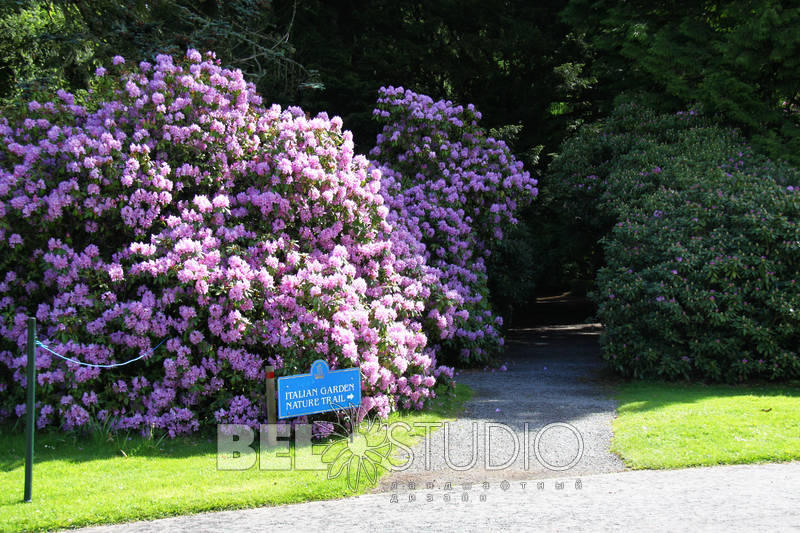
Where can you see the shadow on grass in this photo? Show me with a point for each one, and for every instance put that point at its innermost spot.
(75, 447)
(642, 396)
(52, 446)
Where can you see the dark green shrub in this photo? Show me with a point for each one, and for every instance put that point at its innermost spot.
(577, 197)
(696, 240)
(703, 282)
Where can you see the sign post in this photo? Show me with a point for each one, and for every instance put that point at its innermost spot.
(272, 409)
(319, 391)
(30, 409)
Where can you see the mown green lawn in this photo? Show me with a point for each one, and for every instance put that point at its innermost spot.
(80, 481)
(667, 425)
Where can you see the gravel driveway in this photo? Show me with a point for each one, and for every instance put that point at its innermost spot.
(554, 376)
(729, 498)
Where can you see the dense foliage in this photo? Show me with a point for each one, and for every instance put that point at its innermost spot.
(454, 189)
(57, 44)
(737, 57)
(699, 240)
(432, 222)
(702, 282)
(172, 206)
(559, 62)
(515, 61)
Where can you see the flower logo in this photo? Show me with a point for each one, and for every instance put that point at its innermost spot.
(358, 450)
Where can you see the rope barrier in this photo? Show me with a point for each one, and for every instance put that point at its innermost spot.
(30, 402)
(91, 365)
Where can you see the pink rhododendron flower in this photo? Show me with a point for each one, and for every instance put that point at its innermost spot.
(203, 230)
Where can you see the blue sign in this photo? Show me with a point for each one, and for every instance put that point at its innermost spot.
(319, 391)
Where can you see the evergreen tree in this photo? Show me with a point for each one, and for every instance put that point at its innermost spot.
(738, 58)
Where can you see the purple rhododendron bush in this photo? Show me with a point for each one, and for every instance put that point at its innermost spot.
(453, 190)
(170, 205)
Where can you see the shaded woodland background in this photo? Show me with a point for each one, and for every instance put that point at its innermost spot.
(538, 71)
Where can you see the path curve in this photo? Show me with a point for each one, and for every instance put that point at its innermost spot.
(728, 498)
(555, 376)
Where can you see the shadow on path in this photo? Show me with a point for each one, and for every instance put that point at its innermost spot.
(555, 376)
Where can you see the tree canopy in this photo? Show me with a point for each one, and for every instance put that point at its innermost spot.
(59, 43)
(738, 58)
(514, 60)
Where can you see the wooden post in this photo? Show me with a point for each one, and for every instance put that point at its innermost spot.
(272, 406)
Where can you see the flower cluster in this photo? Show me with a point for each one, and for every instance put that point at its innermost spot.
(171, 204)
(451, 191)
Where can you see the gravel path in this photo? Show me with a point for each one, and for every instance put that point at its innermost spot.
(554, 376)
(731, 498)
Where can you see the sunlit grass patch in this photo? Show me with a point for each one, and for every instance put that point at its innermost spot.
(667, 425)
(97, 479)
